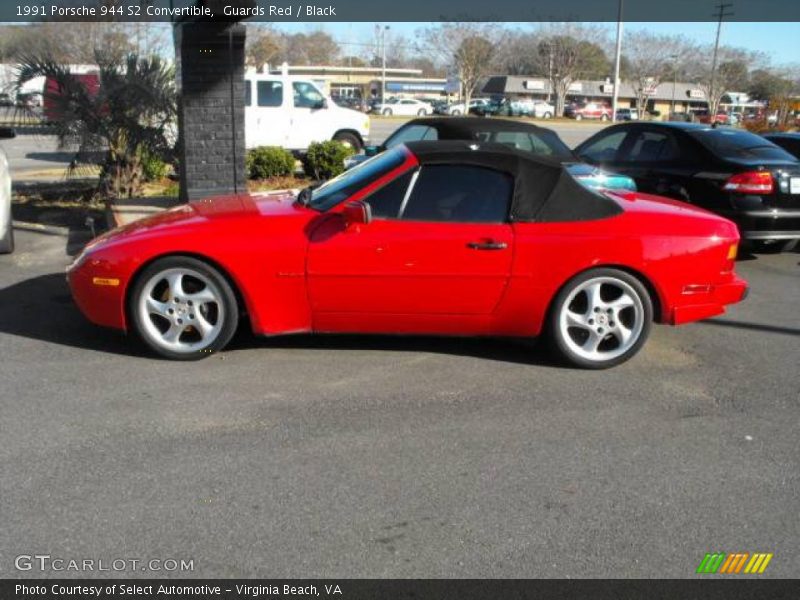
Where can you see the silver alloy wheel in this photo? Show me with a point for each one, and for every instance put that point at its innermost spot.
(181, 310)
(601, 319)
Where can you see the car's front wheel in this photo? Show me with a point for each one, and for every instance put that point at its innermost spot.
(387, 112)
(548, 115)
(422, 112)
(456, 113)
(600, 319)
(183, 308)
(348, 139)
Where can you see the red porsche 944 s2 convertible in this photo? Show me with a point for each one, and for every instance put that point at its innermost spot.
(451, 238)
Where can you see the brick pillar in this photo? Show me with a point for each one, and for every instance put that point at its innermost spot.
(210, 72)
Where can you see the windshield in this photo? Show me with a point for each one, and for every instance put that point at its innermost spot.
(338, 189)
(729, 143)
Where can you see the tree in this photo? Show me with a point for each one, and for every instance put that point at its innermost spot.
(774, 88)
(571, 51)
(262, 47)
(652, 58)
(316, 48)
(519, 55)
(124, 120)
(466, 49)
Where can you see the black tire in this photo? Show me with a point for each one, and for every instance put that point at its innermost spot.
(7, 241)
(548, 115)
(387, 112)
(422, 112)
(563, 348)
(227, 299)
(456, 113)
(604, 117)
(349, 139)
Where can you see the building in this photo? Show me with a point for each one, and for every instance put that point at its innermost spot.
(667, 97)
(366, 82)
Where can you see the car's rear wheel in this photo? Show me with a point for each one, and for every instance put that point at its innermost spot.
(548, 115)
(456, 113)
(183, 308)
(348, 139)
(387, 112)
(422, 112)
(7, 241)
(604, 117)
(600, 319)
(578, 117)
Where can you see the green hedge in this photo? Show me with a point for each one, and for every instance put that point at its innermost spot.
(269, 161)
(325, 160)
(153, 168)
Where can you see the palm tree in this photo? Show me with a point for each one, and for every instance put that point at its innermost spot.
(124, 119)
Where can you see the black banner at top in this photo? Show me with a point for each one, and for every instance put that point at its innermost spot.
(404, 11)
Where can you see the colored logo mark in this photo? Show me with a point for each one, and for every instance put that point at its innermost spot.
(734, 563)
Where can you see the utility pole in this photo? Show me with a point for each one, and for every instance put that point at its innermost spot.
(617, 56)
(383, 50)
(674, 58)
(721, 13)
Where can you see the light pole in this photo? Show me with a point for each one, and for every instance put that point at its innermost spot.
(383, 62)
(616, 65)
(674, 58)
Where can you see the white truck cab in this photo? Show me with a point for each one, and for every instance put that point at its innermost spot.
(292, 112)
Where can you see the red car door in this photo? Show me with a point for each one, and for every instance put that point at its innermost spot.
(439, 244)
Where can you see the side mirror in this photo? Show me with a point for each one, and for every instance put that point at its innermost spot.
(6, 133)
(322, 104)
(371, 150)
(357, 212)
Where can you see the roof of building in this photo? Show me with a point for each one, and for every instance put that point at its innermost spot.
(516, 84)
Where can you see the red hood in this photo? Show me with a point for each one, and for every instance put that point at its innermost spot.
(211, 209)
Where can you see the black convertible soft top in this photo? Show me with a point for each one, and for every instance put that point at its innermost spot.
(544, 191)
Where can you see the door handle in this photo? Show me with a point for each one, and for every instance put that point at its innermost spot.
(487, 245)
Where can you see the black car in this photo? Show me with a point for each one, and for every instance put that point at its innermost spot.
(522, 136)
(735, 173)
(788, 141)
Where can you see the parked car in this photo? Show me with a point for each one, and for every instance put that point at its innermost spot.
(735, 173)
(501, 107)
(627, 114)
(588, 110)
(442, 238)
(406, 107)
(788, 141)
(5, 99)
(458, 109)
(704, 116)
(6, 224)
(543, 110)
(526, 137)
(292, 112)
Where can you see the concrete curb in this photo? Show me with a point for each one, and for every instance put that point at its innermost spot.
(39, 228)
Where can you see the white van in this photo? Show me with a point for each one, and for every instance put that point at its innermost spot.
(292, 112)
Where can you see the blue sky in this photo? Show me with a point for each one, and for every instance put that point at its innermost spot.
(781, 41)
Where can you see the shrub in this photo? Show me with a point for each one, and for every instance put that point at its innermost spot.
(325, 160)
(269, 161)
(153, 168)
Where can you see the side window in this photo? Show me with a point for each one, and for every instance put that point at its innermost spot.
(604, 149)
(386, 202)
(270, 93)
(516, 139)
(248, 92)
(412, 133)
(460, 194)
(652, 146)
(306, 95)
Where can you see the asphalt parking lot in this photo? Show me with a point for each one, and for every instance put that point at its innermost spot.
(398, 457)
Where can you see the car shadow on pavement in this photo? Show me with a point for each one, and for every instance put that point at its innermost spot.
(753, 326)
(519, 351)
(42, 308)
